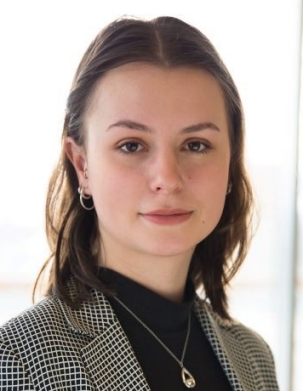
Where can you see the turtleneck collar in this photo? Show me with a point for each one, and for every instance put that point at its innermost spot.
(163, 315)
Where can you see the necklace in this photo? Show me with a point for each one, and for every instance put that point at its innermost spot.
(187, 378)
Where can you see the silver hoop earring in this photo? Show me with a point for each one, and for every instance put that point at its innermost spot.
(229, 188)
(83, 197)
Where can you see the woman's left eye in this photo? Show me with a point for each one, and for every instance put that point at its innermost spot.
(196, 146)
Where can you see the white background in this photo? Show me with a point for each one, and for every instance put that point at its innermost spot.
(41, 43)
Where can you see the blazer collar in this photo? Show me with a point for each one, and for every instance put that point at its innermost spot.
(228, 347)
(93, 317)
(96, 319)
(108, 356)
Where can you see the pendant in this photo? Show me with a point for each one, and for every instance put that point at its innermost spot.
(188, 378)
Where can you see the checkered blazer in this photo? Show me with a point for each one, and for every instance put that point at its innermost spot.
(54, 347)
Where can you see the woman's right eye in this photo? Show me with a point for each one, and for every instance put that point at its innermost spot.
(131, 147)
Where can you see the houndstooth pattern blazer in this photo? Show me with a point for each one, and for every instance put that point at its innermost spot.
(54, 347)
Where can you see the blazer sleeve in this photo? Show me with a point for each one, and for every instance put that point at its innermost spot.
(13, 376)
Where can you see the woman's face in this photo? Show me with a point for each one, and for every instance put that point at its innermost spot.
(157, 155)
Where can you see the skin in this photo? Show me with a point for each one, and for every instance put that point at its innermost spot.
(156, 139)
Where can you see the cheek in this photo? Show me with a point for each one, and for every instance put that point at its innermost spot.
(209, 186)
(113, 186)
(218, 182)
(108, 200)
(210, 178)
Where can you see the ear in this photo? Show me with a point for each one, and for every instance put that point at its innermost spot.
(76, 155)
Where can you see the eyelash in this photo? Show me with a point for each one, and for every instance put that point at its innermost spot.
(130, 143)
(206, 147)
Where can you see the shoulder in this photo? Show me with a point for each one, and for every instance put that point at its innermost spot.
(238, 347)
(53, 322)
(28, 334)
(233, 330)
(22, 342)
(52, 318)
(39, 317)
(42, 330)
(40, 344)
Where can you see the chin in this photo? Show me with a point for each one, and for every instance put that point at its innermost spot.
(169, 250)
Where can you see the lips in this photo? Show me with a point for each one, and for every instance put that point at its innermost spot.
(167, 216)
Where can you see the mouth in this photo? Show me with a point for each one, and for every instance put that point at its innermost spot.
(167, 216)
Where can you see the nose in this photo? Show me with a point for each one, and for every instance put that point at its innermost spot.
(165, 173)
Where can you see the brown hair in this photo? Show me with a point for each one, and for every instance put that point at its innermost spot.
(73, 233)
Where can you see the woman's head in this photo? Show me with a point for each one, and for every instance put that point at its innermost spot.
(165, 46)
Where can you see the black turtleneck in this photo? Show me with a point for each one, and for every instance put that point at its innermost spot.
(169, 321)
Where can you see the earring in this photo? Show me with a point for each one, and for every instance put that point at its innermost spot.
(83, 197)
(229, 188)
(85, 173)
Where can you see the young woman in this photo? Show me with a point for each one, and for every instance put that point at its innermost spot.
(148, 205)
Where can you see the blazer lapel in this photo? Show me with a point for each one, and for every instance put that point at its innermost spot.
(111, 362)
(108, 357)
(218, 331)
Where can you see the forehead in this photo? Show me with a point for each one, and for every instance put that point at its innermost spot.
(149, 92)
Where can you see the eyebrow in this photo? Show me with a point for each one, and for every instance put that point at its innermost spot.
(141, 127)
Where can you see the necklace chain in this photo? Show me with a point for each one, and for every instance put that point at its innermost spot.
(187, 377)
